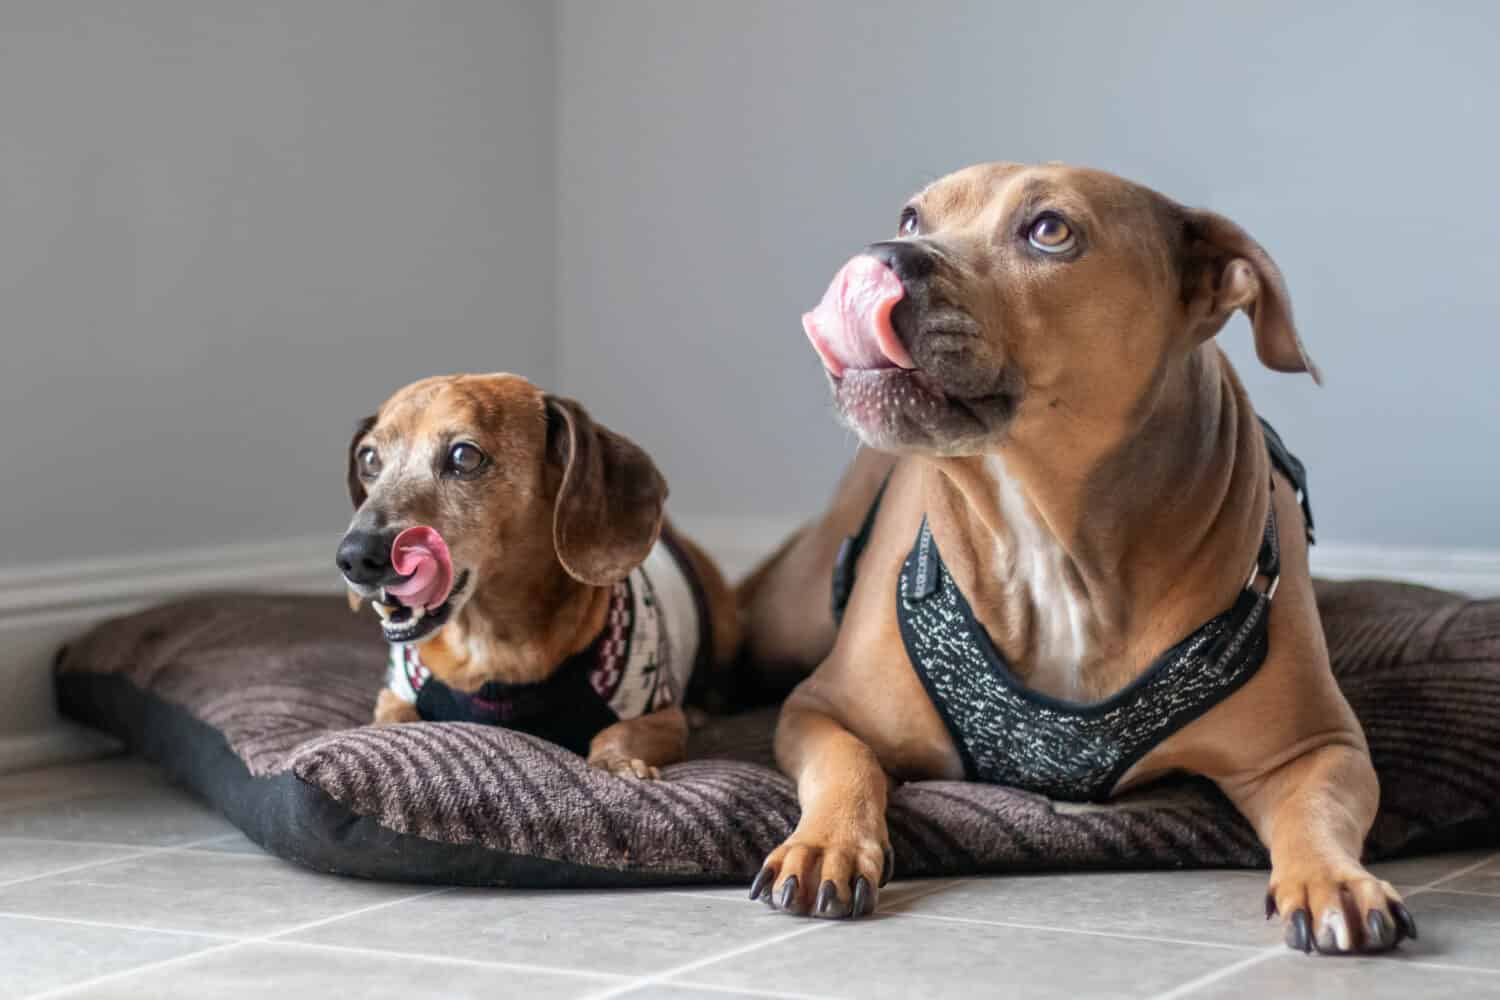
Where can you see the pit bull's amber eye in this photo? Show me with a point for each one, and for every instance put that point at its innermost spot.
(908, 225)
(368, 461)
(1052, 234)
(465, 460)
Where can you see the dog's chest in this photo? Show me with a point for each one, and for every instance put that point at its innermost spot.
(1046, 615)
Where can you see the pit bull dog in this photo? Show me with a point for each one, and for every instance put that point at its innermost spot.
(1070, 557)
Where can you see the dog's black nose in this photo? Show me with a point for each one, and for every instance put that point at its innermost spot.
(911, 261)
(364, 557)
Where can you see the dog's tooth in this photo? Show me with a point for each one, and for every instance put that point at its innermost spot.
(383, 610)
(417, 612)
(355, 601)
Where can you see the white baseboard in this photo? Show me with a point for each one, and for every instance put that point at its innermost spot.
(740, 543)
(43, 607)
(1475, 572)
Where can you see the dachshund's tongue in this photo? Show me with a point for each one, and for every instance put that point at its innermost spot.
(421, 555)
(851, 327)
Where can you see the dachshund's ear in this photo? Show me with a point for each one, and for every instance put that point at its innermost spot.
(1227, 270)
(351, 469)
(608, 512)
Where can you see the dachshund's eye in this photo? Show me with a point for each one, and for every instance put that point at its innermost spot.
(1052, 234)
(908, 225)
(367, 463)
(464, 460)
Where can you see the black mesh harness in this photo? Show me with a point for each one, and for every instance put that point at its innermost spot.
(1009, 734)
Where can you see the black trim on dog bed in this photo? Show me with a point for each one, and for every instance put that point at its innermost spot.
(260, 705)
(298, 822)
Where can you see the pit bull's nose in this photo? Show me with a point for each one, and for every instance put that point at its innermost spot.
(909, 260)
(364, 557)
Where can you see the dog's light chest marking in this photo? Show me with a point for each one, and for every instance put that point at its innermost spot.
(1035, 564)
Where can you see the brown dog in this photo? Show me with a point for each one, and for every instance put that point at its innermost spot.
(525, 573)
(1037, 348)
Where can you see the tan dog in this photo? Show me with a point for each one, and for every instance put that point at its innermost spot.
(554, 592)
(1037, 348)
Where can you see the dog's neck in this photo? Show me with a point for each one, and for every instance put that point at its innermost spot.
(1105, 547)
(517, 635)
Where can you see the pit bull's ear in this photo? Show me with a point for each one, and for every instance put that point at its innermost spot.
(610, 500)
(1227, 270)
(351, 467)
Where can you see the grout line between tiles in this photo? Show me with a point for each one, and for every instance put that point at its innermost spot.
(193, 845)
(813, 925)
(136, 853)
(665, 974)
(499, 966)
(755, 991)
(228, 946)
(60, 842)
(1194, 985)
(115, 925)
(1021, 925)
(1449, 967)
(1458, 873)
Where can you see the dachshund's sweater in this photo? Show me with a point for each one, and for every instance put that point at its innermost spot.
(655, 636)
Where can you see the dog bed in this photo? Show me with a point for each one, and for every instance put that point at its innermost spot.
(259, 705)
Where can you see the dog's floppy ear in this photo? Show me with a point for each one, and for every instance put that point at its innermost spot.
(609, 503)
(351, 469)
(1227, 270)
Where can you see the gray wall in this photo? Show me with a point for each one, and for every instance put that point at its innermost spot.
(718, 161)
(229, 229)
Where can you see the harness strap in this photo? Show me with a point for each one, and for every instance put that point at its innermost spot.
(849, 552)
(1291, 466)
(1267, 559)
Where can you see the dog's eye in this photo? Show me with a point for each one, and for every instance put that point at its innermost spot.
(368, 462)
(465, 460)
(1052, 234)
(908, 225)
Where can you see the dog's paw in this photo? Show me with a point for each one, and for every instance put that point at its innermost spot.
(831, 876)
(1338, 912)
(625, 767)
(390, 710)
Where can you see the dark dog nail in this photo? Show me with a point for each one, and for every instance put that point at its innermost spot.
(889, 870)
(1405, 920)
(864, 897)
(1378, 930)
(789, 894)
(1299, 933)
(763, 878)
(1271, 908)
(828, 898)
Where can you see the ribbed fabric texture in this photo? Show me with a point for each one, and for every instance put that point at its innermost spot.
(291, 683)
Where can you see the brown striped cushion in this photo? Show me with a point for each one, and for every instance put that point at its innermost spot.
(260, 704)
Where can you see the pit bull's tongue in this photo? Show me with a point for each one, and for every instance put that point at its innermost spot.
(851, 328)
(421, 555)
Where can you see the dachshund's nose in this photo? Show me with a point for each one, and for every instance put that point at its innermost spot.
(364, 557)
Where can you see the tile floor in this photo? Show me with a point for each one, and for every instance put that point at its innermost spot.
(115, 884)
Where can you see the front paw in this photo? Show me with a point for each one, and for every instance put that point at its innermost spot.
(390, 709)
(831, 876)
(1339, 910)
(625, 767)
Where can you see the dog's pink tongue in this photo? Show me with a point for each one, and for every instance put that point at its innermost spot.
(851, 327)
(421, 555)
